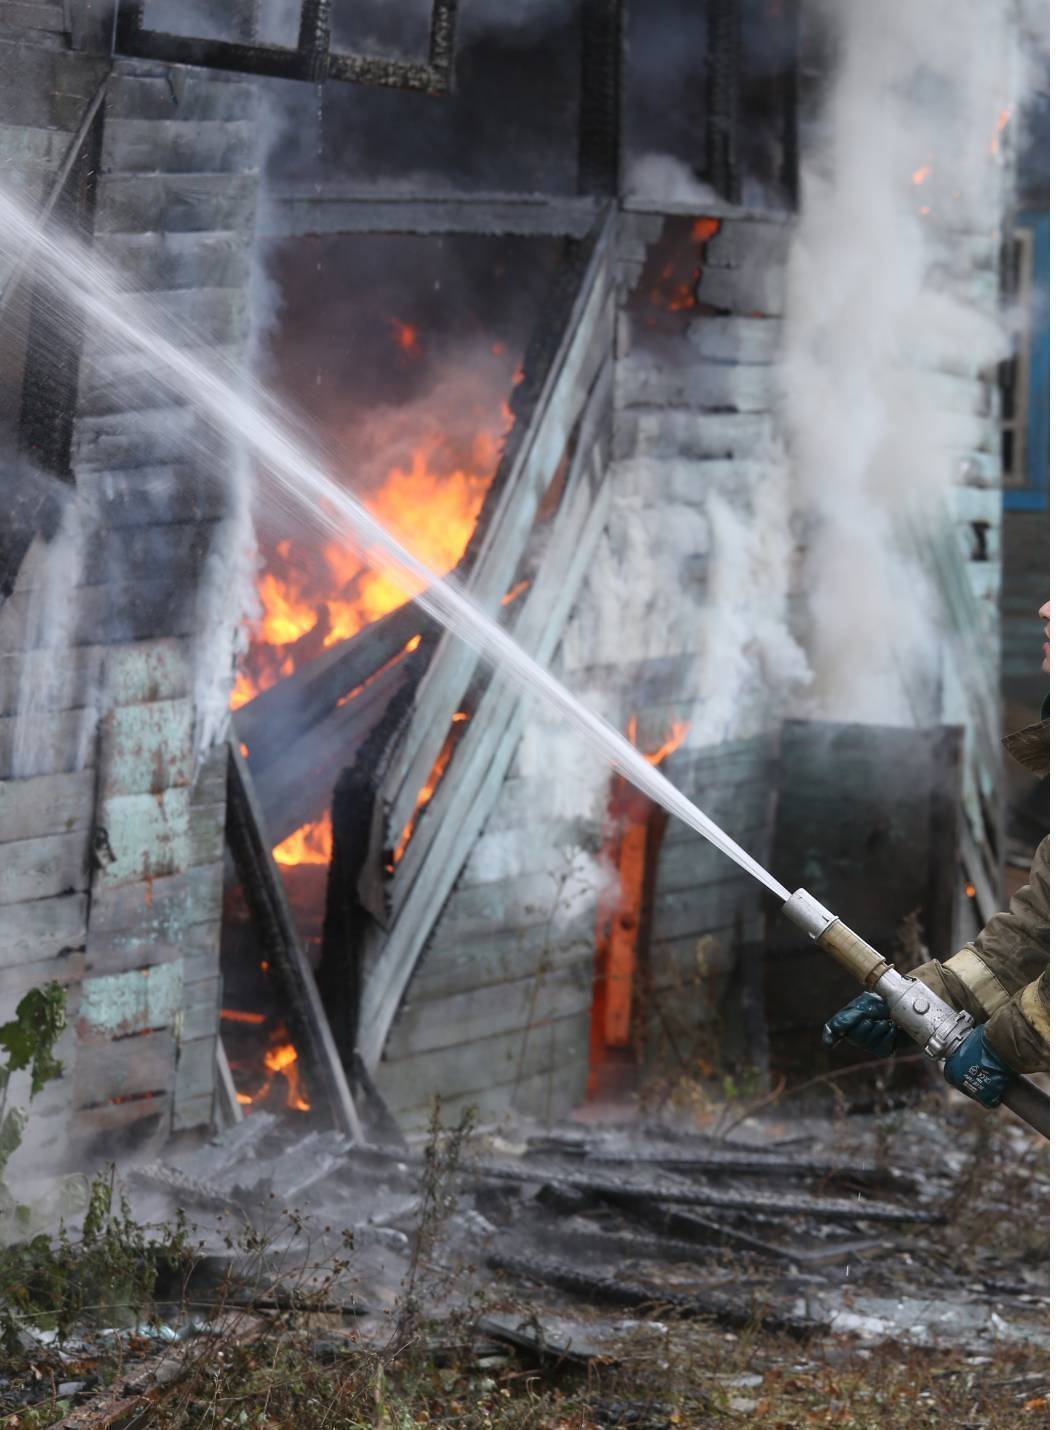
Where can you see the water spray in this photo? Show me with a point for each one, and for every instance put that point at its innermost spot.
(252, 417)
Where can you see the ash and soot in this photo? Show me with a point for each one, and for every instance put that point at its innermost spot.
(300, 486)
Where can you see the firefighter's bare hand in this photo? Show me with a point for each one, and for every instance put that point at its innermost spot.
(866, 1023)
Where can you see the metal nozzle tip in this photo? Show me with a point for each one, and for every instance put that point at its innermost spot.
(805, 911)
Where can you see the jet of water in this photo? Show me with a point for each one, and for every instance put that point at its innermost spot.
(252, 417)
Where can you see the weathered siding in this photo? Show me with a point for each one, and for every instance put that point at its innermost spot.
(113, 872)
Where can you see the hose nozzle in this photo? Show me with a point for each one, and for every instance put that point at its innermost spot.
(821, 925)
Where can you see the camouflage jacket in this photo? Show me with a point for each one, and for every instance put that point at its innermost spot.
(1002, 977)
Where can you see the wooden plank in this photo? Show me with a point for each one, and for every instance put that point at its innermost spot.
(176, 203)
(56, 685)
(561, 563)
(66, 966)
(708, 386)
(505, 853)
(736, 339)
(498, 959)
(117, 1004)
(266, 896)
(175, 261)
(179, 146)
(193, 1112)
(126, 611)
(486, 1012)
(298, 788)
(678, 913)
(269, 723)
(684, 432)
(149, 835)
(145, 749)
(546, 1095)
(45, 804)
(201, 1009)
(163, 909)
(50, 744)
(132, 953)
(500, 716)
(196, 96)
(572, 376)
(696, 864)
(40, 868)
(294, 213)
(518, 902)
(34, 15)
(474, 1067)
(141, 672)
(42, 929)
(207, 832)
(195, 1069)
(210, 781)
(148, 496)
(106, 1070)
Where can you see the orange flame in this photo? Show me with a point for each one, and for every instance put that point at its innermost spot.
(282, 1060)
(999, 128)
(239, 1015)
(922, 174)
(425, 794)
(514, 592)
(311, 844)
(679, 730)
(705, 228)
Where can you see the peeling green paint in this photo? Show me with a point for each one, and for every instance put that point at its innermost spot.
(118, 1003)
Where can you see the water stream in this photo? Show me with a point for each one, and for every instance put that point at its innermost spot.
(248, 415)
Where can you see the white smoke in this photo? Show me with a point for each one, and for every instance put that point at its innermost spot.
(51, 581)
(892, 317)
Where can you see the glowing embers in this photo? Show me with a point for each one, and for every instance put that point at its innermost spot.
(667, 291)
(279, 1075)
(636, 827)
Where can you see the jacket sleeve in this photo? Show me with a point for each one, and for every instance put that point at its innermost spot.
(1002, 977)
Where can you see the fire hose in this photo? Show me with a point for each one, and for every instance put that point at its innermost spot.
(936, 1028)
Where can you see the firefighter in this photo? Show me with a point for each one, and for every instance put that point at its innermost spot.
(1001, 977)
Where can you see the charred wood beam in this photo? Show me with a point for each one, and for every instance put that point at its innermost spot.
(601, 97)
(296, 789)
(612, 1291)
(250, 846)
(296, 213)
(680, 1192)
(756, 1164)
(279, 716)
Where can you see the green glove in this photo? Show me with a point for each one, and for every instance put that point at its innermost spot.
(976, 1069)
(866, 1023)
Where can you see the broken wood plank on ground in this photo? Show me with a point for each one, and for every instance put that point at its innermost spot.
(680, 1192)
(611, 1291)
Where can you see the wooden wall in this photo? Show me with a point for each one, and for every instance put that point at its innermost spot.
(113, 862)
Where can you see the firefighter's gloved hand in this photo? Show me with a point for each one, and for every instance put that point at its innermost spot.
(976, 1069)
(865, 1022)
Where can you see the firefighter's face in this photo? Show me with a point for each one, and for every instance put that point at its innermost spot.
(1046, 613)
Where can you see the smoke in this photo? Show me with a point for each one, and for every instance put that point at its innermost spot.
(51, 579)
(667, 180)
(892, 317)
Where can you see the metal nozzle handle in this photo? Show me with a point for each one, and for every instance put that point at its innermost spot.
(859, 958)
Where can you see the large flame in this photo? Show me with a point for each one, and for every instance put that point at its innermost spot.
(311, 844)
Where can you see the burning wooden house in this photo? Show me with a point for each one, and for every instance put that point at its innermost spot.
(393, 878)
